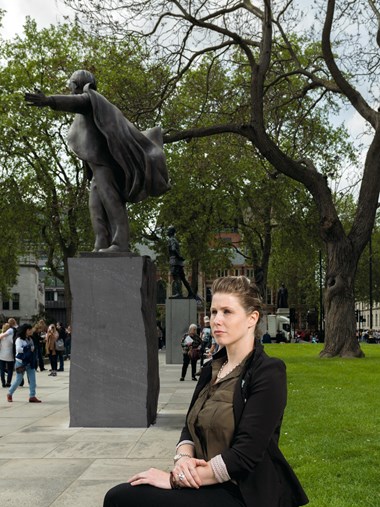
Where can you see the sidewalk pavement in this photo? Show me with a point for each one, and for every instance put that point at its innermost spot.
(44, 462)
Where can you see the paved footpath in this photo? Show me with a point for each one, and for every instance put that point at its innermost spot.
(44, 462)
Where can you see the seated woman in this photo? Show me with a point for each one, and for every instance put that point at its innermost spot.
(228, 451)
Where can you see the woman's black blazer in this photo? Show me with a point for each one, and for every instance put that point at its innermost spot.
(254, 459)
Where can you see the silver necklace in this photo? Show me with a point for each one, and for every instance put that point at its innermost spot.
(219, 374)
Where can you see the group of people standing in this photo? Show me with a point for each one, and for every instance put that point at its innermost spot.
(197, 345)
(58, 346)
(23, 348)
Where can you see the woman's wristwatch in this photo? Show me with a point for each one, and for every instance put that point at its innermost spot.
(179, 456)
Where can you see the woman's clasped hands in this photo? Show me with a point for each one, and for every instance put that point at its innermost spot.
(185, 474)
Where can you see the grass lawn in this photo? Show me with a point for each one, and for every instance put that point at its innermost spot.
(331, 428)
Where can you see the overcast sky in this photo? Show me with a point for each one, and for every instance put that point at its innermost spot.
(44, 12)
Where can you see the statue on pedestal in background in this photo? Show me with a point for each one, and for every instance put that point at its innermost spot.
(122, 163)
(282, 297)
(176, 263)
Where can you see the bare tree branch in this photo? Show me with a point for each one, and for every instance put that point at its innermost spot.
(353, 95)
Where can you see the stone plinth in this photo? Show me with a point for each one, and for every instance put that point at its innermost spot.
(114, 376)
(180, 313)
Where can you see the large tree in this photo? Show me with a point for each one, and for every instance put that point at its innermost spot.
(226, 185)
(312, 73)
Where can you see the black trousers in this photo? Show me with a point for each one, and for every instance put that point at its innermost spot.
(40, 357)
(53, 362)
(220, 495)
(60, 359)
(185, 364)
(6, 366)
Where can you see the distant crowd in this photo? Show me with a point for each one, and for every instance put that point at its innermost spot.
(23, 349)
(368, 335)
(300, 335)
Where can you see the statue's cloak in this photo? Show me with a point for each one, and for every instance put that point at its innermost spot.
(140, 155)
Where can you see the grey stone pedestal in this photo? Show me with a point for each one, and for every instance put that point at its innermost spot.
(180, 313)
(114, 376)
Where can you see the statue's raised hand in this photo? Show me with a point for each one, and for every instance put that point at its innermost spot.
(37, 99)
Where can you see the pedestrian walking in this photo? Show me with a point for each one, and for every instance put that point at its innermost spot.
(25, 362)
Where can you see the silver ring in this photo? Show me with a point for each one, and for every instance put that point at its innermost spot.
(181, 476)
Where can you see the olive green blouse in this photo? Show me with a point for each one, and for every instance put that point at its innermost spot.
(211, 419)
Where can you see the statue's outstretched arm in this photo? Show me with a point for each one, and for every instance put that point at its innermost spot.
(80, 103)
(38, 99)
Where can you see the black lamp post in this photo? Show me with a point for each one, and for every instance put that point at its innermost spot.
(320, 292)
(370, 284)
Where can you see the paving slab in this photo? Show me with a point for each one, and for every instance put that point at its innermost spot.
(49, 468)
(68, 466)
(119, 469)
(26, 449)
(93, 449)
(84, 494)
(108, 435)
(29, 492)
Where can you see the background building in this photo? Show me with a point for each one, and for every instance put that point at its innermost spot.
(27, 296)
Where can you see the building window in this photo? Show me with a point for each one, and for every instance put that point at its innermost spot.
(6, 305)
(61, 296)
(49, 295)
(15, 301)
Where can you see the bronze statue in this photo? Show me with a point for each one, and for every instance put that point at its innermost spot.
(176, 262)
(282, 297)
(123, 164)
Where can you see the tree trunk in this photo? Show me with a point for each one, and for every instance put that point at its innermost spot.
(267, 246)
(339, 300)
(194, 276)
